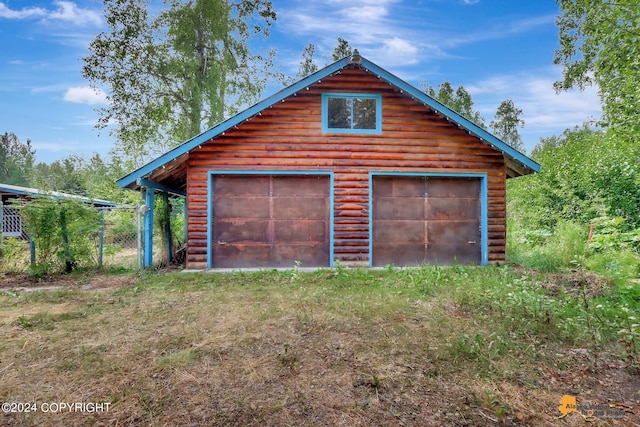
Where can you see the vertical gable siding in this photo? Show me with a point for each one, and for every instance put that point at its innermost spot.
(289, 137)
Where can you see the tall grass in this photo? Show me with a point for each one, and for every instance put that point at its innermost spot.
(567, 247)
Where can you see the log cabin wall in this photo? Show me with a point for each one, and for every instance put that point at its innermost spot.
(288, 136)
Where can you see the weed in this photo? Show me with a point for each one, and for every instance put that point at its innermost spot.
(47, 321)
(287, 358)
(629, 333)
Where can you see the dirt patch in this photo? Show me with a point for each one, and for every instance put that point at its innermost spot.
(576, 283)
(24, 282)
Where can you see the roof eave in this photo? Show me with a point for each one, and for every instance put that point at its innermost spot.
(452, 116)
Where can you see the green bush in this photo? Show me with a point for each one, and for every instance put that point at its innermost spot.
(548, 251)
(64, 233)
(14, 254)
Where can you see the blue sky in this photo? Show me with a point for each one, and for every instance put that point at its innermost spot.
(496, 49)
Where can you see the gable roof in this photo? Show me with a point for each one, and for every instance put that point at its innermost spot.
(517, 163)
(34, 192)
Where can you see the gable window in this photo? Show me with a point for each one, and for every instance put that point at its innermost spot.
(351, 113)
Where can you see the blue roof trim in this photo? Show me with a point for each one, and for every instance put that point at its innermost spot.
(163, 188)
(34, 192)
(315, 78)
(452, 115)
(231, 122)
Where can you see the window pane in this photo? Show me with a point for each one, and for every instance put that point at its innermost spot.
(339, 113)
(364, 113)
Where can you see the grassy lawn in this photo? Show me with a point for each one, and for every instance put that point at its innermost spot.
(426, 347)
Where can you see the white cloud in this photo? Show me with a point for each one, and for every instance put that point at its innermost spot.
(378, 28)
(70, 12)
(85, 95)
(28, 12)
(66, 11)
(402, 51)
(497, 31)
(545, 112)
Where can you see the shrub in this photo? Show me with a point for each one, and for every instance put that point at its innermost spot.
(64, 232)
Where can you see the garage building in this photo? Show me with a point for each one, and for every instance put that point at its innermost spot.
(350, 164)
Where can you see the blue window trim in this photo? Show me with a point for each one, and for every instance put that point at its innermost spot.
(213, 173)
(325, 113)
(484, 234)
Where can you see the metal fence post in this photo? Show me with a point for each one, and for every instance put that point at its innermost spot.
(1, 221)
(32, 249)
(101, 238)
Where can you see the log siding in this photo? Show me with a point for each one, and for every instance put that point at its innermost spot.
(288, 137)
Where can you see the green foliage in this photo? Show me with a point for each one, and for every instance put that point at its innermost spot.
(506, 123)
(63, 175)
(121, 229)
(63, 231)
(342, 49)
(171, 75)
(459, 100)
(16, 160)
(599, 45)
(609, 233)
(586, 174)
(307, 65)
(14, 254)
(546, 250)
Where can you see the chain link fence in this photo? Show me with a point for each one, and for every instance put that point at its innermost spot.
(120, 243)
(108, 237)
(113, 238)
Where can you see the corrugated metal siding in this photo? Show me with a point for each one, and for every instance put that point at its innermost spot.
(288, 136)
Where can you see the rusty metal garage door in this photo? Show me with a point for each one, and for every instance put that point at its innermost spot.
(270, 221)
(418, 220)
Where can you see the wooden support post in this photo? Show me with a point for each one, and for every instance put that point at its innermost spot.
(167, 227)
(68, 259)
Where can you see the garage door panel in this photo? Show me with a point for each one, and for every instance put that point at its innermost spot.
(453, 187)
(301, 207)
(425, 219)
(270, 221)
(291, 185)
(300, 231)
(287, 255)
(452, 232)
(450, 254)
(241, 207)
(398, 254)
(452, 208)
(397, 186)
(399, 208)
(241, 255)
(237, 186)
(399, 231)
(244, 231)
